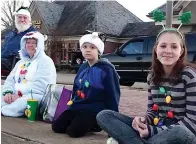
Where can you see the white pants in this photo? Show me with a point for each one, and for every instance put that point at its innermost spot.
(15, 109)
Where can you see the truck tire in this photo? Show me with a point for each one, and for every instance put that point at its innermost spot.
(124, 83)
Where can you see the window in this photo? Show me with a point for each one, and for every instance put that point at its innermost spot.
(133, 48)
(151, 43)
(191, 42)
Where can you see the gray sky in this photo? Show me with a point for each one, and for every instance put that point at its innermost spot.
(138, 7)
(141, 7)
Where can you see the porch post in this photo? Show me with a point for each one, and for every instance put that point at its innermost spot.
(169, 13)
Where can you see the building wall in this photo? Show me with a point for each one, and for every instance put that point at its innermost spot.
(192, 7)
(73, 46)
(36, 17)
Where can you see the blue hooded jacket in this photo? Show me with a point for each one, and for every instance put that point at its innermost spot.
(11, 45)
(99, 85)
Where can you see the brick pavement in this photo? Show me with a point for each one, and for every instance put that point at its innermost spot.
(132, 102)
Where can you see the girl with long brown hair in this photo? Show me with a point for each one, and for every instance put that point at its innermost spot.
(171, 114)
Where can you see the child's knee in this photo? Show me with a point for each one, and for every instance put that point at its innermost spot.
(75, 132)
(101, 116)
(56, 128)
(7, 110)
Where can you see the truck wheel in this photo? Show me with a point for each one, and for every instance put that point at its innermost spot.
(127, 83)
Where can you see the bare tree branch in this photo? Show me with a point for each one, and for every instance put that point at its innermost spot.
(6, 14)
(5, 23)
(7, 9)
(10, 11)
(14, 6)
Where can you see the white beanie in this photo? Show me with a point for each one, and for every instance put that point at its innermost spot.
(93, 39)
(23, 12)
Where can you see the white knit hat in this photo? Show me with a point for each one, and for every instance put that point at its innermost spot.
(93, 39)
(23, 12)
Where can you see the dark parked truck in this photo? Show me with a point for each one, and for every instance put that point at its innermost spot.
(133, 59)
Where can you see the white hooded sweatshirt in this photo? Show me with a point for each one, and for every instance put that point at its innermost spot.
(39, 73)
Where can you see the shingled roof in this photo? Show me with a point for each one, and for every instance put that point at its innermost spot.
(77, 16)
(140, 29)
(50, 12)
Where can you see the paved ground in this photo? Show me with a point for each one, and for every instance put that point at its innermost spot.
(19, 131)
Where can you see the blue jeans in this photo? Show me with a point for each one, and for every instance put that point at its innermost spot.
(120, 128)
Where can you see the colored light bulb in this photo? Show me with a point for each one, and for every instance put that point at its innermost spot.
(19, 80)
(28, 64)
(162, 90)
(160, 123)
(24, 81)
(70, 102)
(82, 95)
(168, 99)
(155, 107)
(87, 84)
(170, 114)
(156, 120)
(19, 93)
(22, 66)
(78, 92)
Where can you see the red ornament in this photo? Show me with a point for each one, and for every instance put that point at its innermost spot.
(82, 95)
(25, 71)
(170, 114)
(155, 107)
(78, 92)
(19, 93)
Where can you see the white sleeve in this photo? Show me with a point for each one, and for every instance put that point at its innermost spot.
(10, 80)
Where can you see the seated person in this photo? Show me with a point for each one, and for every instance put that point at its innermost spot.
(11, 45)
(171, 114)
(32, 73)
(96, 87)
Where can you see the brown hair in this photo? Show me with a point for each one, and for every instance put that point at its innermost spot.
(157, 68)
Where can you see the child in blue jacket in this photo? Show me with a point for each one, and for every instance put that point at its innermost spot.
(96, 87)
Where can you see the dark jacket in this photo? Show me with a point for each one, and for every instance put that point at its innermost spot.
(100, 85)
(11, 45)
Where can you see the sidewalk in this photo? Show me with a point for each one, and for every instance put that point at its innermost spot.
(20, 130)
(133, 102)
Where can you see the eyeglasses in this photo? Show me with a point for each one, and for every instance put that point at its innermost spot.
(34, 43)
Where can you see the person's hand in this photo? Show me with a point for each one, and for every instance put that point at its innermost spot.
(15, 97)
(137, 121)
(8, 98)
(143, 130)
